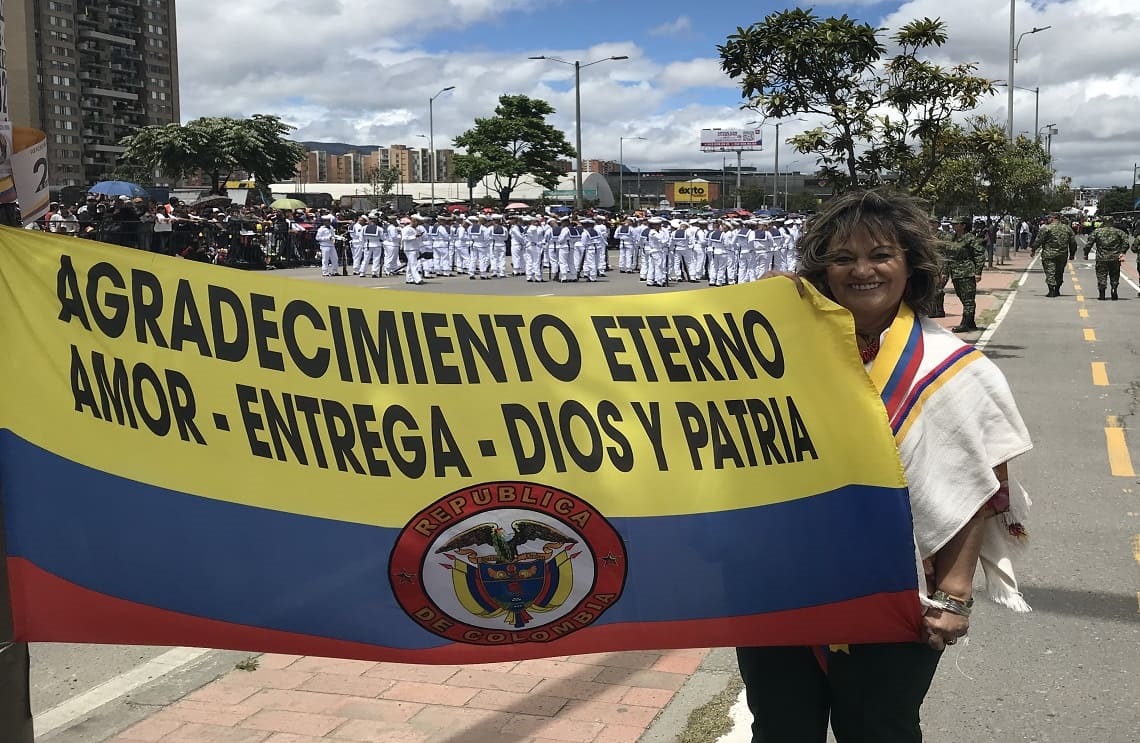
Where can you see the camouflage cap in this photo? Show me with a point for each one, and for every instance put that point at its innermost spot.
(960, 220)
(1107, 220)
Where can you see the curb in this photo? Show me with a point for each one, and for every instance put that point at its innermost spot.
(716, 672)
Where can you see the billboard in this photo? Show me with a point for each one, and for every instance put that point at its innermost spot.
(730, 140)
(692, 192)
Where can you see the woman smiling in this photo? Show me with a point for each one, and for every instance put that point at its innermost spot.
(956, 426)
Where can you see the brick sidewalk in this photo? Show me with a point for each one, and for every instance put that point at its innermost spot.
(606, 697)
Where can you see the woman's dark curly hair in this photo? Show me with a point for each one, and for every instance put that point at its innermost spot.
(885, 215)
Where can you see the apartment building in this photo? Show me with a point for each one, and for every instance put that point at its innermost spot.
(88, 73)
(356, 166)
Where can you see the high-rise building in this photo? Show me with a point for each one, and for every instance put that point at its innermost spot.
(88, 73)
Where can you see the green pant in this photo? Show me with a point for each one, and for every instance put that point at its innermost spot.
(1054, 268)
(941, 283)
(966, 288)
(1107, 272)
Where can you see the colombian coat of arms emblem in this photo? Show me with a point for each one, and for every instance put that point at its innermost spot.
(507, 562)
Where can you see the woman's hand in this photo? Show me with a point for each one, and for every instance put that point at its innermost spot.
(795, 277)
(942, 628)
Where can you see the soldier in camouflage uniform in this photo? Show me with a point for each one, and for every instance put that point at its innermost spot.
(1110, 244)
(965, 257)
(943, 278)
(1136, 250)
(1055, 241)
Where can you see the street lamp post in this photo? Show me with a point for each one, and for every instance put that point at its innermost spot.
(1014, 44)
(776, 168)
(787, 186)
(431, 139)
(739, 159)
(621, 172)
(578, 114)
(1051, 129)
(1036, 101)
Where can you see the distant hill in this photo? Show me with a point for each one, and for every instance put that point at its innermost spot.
(339, 148)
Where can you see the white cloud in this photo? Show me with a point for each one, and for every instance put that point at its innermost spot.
(694, 73)
(347, 72)
(679, 25)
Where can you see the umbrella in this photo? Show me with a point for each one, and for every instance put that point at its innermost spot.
(288, 204)
(518, 205)
(118, 188)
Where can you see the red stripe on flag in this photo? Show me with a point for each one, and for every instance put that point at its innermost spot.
(50, 609)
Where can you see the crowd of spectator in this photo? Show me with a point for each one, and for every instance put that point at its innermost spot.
(215, 231)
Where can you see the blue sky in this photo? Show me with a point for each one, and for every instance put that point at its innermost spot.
(362, 72)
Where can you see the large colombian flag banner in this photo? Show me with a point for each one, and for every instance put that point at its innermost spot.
(191, 455)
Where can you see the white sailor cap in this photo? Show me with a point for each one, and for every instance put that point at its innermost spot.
(656, 220)
(496, 216)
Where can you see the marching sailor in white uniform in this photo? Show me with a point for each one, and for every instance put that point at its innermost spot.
(496, 235)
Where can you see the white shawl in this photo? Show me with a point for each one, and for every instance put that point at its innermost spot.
(954, 420)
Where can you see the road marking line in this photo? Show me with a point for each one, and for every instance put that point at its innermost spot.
(1131, 283)
(1119, 461)
(1077, 287)
(988, 334)
(113, 688)
(1084, 314)
(1090, 335)
(1100, 373)
(1080, 297)
(1136, 548)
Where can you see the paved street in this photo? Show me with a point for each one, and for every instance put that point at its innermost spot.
(1070, 671)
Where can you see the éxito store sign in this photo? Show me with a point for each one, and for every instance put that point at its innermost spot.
(695, 191)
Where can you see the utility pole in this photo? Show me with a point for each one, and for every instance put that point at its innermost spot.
(1009, 79)
(776, 174)
(738, 165)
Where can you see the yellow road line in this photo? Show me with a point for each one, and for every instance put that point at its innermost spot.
(1090, 334)
(1119, 461)
(1136, 547)
(1084, 313)
(1100, 373)
(1080, 297)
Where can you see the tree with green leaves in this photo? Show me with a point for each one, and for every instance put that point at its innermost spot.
(984, 174)
(885, 115)
(380, 183)
(1119, 199)
(513, 143)
(217, 147)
